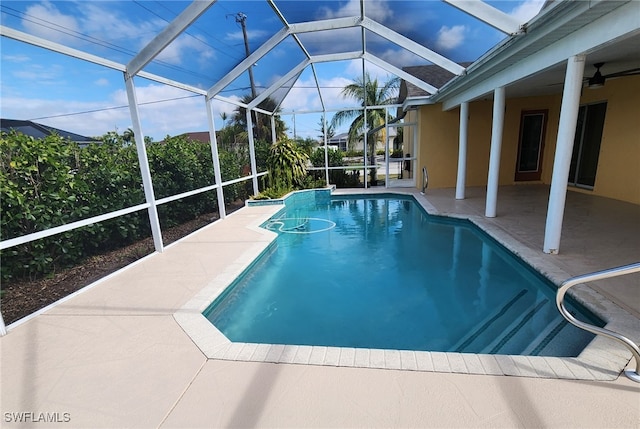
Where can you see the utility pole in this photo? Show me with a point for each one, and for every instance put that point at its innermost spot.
(242, 18)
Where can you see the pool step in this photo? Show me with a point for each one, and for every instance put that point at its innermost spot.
(512, 329)
(515, 338)
(465, 344)
(561, 339)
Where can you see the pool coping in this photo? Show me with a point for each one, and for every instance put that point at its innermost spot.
(603, 359)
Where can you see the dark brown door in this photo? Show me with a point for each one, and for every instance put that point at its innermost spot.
(533, 124)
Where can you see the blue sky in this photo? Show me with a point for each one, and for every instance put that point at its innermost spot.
(77, 96)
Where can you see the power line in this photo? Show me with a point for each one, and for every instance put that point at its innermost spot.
(104, 109)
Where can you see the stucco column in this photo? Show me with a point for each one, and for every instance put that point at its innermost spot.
(462, 151)
(496, 148)
(564, 151)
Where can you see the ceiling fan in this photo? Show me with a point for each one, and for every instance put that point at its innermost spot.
(598, 79)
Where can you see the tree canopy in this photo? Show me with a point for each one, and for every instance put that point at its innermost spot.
(367, 92)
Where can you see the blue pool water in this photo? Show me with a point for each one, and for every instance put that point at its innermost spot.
(378, 272)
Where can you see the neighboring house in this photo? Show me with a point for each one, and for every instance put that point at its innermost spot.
(40, 131)
(341, 141)
(519, 126)
(199, 136)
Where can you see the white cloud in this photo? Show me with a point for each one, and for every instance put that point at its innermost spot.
(401, 58)
(20, 58)
(109, 24)
(173, 117)
(101, 82)
(527, 10)
(304, 96)
(378, 10)
(176, 51)
(450, 37)
(90, 124)
(46, 13)
(375, 72)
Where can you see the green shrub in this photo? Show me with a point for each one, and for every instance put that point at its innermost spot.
(287, 165)
(40, 188)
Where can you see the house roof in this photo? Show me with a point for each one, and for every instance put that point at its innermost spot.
(433, 75)
(199, 136)
(39, 131)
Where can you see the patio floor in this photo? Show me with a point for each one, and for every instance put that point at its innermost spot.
(114, 355)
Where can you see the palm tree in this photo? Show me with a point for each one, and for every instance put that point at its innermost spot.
(368, 93)
(262, 123)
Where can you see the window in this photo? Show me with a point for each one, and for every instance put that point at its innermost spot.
(533, 125)
(586, 146)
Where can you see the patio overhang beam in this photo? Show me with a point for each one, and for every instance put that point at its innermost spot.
(489, 15)
(413, 47)
(551, 38)
(168, 35)
(400, 73)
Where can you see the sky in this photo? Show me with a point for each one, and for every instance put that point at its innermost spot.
(88, 99)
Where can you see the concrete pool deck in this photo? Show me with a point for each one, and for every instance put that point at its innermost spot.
(115, 355)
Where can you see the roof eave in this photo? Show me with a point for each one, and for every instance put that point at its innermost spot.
(536, 29)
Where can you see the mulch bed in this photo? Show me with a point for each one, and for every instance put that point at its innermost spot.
(23, 297)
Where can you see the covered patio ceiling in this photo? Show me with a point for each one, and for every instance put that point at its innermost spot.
(286, 43)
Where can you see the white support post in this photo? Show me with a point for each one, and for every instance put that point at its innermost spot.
(3, 327)
(252, 153)
(494, 156)
(564, 151)
(364, 118)
(213, 142)
(326, 148)
(462, 151)
(147, 183)
(386, 147)
(365, 140)
(274, 137)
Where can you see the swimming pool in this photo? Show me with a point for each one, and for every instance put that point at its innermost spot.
(380, 273)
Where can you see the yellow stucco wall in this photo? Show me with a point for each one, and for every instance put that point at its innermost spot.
(618, 174)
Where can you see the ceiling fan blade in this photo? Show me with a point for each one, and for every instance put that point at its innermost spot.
(629, 72)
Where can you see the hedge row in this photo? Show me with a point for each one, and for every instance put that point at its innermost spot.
(50, 182)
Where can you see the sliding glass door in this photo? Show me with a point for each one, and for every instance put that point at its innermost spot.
(586, 146)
